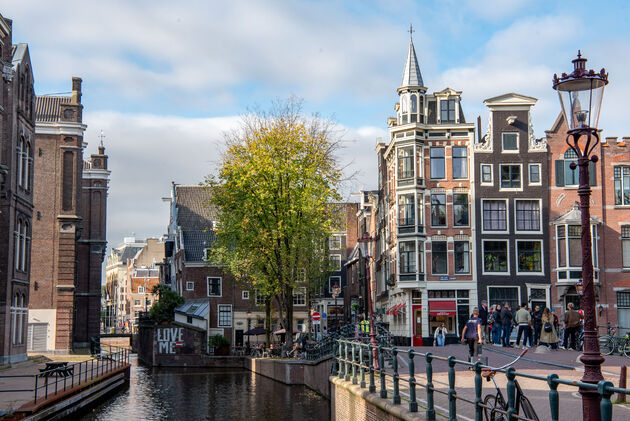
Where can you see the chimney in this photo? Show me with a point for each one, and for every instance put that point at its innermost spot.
(76, 90)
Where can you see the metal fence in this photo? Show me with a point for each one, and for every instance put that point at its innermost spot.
(107, 359)
(354, 361)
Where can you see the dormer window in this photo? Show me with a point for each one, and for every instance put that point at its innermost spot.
(447, 111)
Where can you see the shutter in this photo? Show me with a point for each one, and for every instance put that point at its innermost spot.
(591, 173)
(559, 172)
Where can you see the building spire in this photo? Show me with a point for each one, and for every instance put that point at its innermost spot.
(411, 74)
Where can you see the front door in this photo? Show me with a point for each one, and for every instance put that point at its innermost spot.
(417, 326)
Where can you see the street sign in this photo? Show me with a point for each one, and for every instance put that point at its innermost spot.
(316, 316)
(324, 315)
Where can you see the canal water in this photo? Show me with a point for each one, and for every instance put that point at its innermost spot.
(209, 394)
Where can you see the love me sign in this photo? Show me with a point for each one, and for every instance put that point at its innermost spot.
(169, 338)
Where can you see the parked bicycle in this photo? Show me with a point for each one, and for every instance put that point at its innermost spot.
(612, 343)
(496, 406)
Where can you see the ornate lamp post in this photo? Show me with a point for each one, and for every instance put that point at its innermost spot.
(336, 289)
(365, 250)
(581, 94)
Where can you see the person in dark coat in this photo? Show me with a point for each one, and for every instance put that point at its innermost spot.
(537, 323)
(497, 327)
(506, 321)
(483, 315)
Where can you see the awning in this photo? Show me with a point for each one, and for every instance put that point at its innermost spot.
(442, 308)
(395, 309)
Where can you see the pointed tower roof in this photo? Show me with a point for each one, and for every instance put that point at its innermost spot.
(411, 74)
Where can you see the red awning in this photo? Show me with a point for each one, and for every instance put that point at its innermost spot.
(398, 308)
(442, 308)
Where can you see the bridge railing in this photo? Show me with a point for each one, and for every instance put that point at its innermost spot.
(108, 358)
(354, 361)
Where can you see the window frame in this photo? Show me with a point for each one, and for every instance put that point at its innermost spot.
(433, 257)
(334, 257)
(260, 298)
(520, 169)
(567, 168)
(467, 209)
(483, 256)
(208, 278)
(333, 241)
(481, 181)
(464, 159)
(330, 284)
(299, 295)
(540, 215)
(190, 286)
(406, 165)
(541, 272)
(464, 252)
(529, 174)
(438, 205)
(625, 242)
(448, 102)
(221, 314)
(412, 265)
(433, 159)
(408, 208)
(619, 185)
(503, 150)
(507, 216)
(245, 294)
(516, 287)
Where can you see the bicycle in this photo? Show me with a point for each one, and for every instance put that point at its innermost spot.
(612, 343)
(496, 406)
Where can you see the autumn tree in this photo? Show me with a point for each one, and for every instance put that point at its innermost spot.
(276, 179)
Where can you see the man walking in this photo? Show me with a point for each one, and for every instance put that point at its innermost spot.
(522, 319)
(472, 333)
(483, 315)
(571, 326)
(537, 319)
(506, 320)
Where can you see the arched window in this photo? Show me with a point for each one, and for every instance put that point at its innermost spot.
(27, 161)
(414, 104)
(17, 246)
(19, 161)
(571, 177)
(14, 319)
(24, 244)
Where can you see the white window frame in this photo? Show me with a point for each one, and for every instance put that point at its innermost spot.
(140, 290)
(469, 257)
(333, 257)
(513, 164)
(245, 295)
(624, 265)
(137, 303)
(331, 283)
(518, 288)
(547, 288)
(507, 216)
(190, 286)
(486, 183)
(529, 173)
(220, 286)
(260, 299)
(219, 306)
(333, 240)
(542, 257)
(503, 150)
(540, 215)
(297, 293)
(206, 251)
(483, 256)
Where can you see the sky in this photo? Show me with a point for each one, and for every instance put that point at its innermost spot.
(165, 80)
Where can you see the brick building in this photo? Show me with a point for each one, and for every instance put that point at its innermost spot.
(143, 275)
(16, 192)
(69, 237)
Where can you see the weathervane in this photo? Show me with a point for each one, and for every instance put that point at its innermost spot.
(101, 136)
(411, 31)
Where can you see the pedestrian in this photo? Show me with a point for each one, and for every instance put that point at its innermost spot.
(522, 319)
(548, 334)
(537, 323)
(472, 333)
(497, 327)
(440, 335)
(483, 315)
(571, 327)
(506, 321)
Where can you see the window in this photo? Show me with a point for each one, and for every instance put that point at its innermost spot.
(460, 162)
(136, 303)
(500, 295)
(22, 245)
(565, 176)
(245, 295)
(18, 314)
(206, 254)
(299, 297)
(260, 298)
(495, 256)
(405, 162)
(460, 209)
(334, 243)
(509, 142)
(420, 264)
(534, 174)
(140, 290)
(225, 315)
(494, 215)
(447, 111)
(190, 286)
(462, 257)
(569, 246)
(334, 281)
(527, 215)
(437, 163)
(407, 252)
(623, 299)
(335, 262)
(439, 257)
(625, 245)
(486, 174)
(622, 185)
(510, 176)
(406, 210)
(438, 210)
(214, 287)
(529, 255)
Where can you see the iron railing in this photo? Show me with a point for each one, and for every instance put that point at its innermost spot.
(353, 361)
(75, 374)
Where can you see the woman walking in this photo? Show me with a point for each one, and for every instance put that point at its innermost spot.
(548, 334)
(440, 335)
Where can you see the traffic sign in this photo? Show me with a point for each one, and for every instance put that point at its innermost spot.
(316, 316)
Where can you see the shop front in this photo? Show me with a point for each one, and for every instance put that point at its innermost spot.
(417, 325)
(442, 312)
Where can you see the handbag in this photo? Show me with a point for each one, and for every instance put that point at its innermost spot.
(548, 328)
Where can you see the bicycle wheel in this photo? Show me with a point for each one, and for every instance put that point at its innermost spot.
(607, 345)
(626, 348)
(489, 412)
(527, 409)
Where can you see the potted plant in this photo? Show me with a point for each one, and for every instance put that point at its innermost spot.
(220, 344)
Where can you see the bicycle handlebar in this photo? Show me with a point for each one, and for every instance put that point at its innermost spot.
(509, 364)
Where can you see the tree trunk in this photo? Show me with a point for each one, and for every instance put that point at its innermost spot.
(289, 312)
(268, 321)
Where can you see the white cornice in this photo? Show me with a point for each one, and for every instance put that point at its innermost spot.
(96, 174)
(75, 129)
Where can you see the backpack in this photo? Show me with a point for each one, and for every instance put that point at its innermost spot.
(548, 328)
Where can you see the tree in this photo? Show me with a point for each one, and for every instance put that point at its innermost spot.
(277, 177)
(163, 310)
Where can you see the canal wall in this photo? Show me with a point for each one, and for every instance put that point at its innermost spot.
(351, 402)
(172, 345)
(312, 374)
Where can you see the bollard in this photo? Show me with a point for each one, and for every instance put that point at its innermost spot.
(413, 404)
(478, 400)
(554, 403)
(382, 370)
(430, 405)
(511, 393)
(370, 359)
(621, 397)
(396, 398)
(606, 405)
(452, 393)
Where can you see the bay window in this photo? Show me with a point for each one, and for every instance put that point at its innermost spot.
(406, 210)
(407, 250)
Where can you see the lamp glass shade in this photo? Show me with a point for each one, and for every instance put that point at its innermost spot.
(581, 101)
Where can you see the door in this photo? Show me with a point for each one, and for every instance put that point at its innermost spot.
(37, 336)
(417, 326)
(238, 337)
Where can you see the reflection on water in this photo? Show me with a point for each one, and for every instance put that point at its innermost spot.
(209, 394)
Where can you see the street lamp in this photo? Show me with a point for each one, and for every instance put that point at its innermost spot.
(249, 319)
(365, 250)
(581, 94)
(335, 293)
